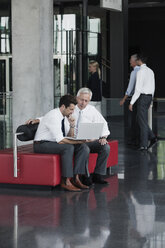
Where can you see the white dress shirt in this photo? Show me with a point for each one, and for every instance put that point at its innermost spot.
(132, 81)
(50, 127)
(145, 83)
(91, 114)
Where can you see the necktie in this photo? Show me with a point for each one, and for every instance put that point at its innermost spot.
(79, 118)
(63, 127)
(78, 121)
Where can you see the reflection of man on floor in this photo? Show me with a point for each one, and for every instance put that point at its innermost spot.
(142, 216)
(140, 200)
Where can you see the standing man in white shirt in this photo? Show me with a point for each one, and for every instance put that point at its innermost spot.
(51, 137)
(133, 130)
(84, 112)
(144, 92)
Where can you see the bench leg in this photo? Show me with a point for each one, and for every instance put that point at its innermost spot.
(15, 154)
(109, 172)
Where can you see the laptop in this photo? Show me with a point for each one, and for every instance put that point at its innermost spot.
(88, 131)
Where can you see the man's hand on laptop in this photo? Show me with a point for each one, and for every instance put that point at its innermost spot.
(89, 140)
(103, 141)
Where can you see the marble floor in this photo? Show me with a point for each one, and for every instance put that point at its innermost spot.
(128, 213)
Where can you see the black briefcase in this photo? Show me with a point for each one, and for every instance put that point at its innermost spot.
(28, 131)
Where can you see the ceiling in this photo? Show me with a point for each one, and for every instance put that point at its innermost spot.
(5, 4)
(145, 3)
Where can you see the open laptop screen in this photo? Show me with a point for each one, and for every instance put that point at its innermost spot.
(89, 131)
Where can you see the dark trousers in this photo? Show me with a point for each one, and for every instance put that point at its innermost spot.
(103, 153)
(67, 151)
(146, 133)
(132, 132)
(134, 126)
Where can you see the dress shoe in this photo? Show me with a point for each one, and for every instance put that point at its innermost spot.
(79, 184)
(130, 143)
(69, 186)
(142, 149)
(98, 179)
(86, 180)
(153, 142)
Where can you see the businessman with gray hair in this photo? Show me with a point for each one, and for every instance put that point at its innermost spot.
(86, 113)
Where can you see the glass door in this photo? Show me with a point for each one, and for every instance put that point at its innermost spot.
(64, 49)
(73, 48)
(59, 87)
(5, 83)
(5, 100)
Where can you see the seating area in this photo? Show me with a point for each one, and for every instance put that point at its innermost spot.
(41, 169)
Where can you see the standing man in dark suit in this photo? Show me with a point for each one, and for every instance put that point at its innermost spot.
(133, 129)
(144, 92)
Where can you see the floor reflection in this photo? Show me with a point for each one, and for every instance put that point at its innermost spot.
(161, 159)
(140, 199)
(127, 213)
(61, 219)
(141, 189)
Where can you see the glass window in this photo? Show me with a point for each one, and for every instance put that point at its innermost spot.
(63, 24)
(94, 25)
(94, 28)
(5, 35)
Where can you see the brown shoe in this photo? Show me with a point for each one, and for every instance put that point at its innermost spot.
(79, 184)
(69, 186)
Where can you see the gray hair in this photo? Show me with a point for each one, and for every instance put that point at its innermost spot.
(85, 91)
(134, 57)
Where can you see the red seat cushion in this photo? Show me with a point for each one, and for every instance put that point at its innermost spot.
(113, 157)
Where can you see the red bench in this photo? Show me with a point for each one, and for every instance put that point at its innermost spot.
(41, 169)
